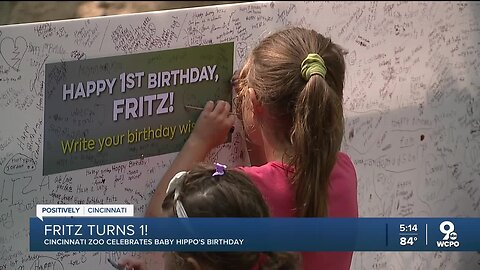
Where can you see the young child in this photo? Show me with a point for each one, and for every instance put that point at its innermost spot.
(204, 192)
(290, 94)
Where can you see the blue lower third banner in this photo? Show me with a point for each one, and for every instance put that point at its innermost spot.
(255, 234)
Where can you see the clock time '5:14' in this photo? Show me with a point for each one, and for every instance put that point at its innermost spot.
(408, 227)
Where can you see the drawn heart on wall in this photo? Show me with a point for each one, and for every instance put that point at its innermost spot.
(12, 51)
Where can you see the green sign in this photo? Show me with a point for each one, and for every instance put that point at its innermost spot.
(112, 109)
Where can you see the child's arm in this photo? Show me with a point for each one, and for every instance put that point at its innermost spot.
(211, 130)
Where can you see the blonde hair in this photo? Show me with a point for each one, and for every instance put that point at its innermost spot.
(308, 114)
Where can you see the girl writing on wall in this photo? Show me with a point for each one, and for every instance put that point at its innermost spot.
(290, 94)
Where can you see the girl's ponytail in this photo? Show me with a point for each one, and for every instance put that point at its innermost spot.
(298, 75)
(316, 138)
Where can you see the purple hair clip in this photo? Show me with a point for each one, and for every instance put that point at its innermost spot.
(219, 169)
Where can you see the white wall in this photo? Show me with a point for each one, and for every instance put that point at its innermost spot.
(412, 105)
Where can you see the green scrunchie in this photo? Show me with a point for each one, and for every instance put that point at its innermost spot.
(313, 64)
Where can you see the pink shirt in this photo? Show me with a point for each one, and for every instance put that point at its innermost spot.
(279, 194)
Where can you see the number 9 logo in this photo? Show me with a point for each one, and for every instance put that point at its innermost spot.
(450, 232)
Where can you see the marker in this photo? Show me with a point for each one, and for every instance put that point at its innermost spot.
(115, 265)
(232, 129)
(199, 109)
(193, 107)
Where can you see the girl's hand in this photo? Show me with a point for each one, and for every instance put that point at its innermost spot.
(213, 125)
(211, 130)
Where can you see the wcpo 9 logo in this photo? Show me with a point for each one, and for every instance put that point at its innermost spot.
(450, 236)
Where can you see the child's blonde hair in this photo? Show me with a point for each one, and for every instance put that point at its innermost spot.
(307, 113)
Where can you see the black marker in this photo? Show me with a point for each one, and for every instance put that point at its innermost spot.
(115, 265)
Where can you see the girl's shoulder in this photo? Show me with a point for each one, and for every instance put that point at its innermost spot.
(272, 169)
(343, 156)
(344, 161)
(345, 165)
(271, 179)
(343, 188)
(277, 168)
